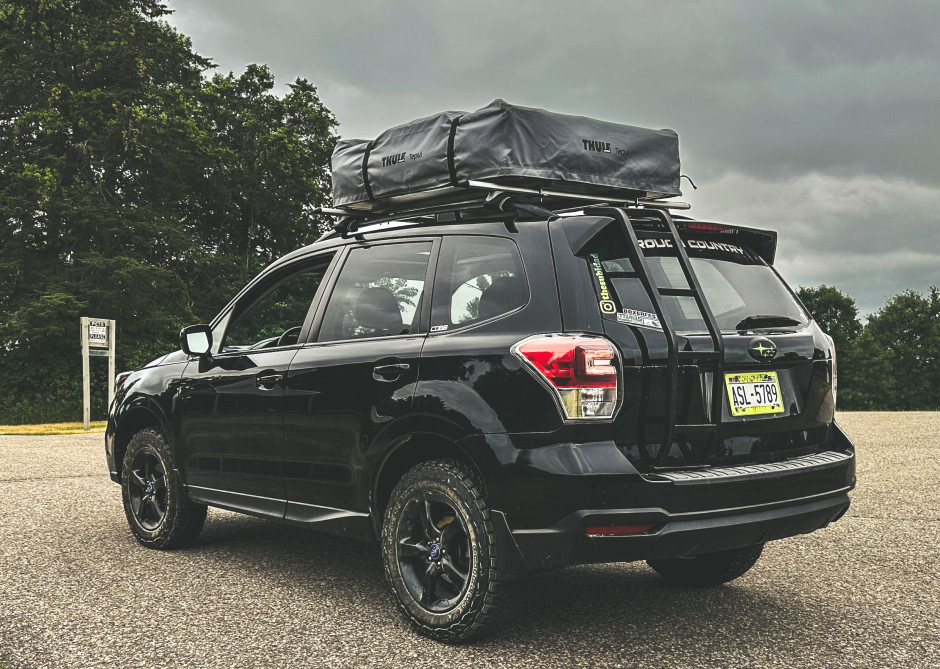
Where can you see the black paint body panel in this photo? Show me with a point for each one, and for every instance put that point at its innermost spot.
(311, 448)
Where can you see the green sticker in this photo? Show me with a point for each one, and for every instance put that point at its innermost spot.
(606, 304)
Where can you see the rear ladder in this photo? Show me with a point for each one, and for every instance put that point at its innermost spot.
(713, 359)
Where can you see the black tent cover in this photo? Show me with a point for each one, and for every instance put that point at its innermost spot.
(431, 159)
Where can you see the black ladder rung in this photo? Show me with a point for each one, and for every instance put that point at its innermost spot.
(701, 427)
(677, 292)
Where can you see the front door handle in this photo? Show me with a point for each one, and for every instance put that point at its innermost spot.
(268, 381)
(389, 372)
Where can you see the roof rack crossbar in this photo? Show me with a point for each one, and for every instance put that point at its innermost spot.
(605, 199)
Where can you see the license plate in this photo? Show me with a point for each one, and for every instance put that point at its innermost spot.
(754, 393)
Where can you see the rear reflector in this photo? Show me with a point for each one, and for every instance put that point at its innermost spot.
(616, 530)
(582, 371)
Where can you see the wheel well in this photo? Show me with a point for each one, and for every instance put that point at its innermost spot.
(419, 448)
(132, 423)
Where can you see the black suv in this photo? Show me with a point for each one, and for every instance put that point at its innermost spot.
(498, 391)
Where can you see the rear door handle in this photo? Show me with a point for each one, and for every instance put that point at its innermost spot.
(389, 372)
(268, 381)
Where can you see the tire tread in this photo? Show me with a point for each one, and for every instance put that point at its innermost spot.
(481, 615)
(185, 519)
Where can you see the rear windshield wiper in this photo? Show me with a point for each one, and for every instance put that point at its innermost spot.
(766, 321)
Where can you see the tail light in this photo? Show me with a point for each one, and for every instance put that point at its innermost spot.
(835, 369)
(581, 371)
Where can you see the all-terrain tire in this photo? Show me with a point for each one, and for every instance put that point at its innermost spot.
(439, 550)
(710, 569)
(158, 510)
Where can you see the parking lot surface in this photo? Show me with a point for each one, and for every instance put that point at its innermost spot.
(76, 590)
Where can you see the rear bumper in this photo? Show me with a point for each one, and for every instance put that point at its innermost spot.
(545, 496)
(673, 535)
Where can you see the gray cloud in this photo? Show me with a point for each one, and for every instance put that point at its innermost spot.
(870, 236)
(768, 97)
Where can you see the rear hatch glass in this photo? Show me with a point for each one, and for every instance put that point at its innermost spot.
(741, 289)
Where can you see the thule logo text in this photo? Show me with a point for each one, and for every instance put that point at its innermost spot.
(392, 159)
(595, 145)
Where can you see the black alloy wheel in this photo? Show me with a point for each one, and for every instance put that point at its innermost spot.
(439, 550)
(148, 490)
(434, 553)
(158, 510)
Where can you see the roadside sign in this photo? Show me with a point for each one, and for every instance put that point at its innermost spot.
(97, 336)
(98, 333)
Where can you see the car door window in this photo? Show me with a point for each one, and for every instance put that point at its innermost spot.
(480, 278)
(378, 293)
(274, 314)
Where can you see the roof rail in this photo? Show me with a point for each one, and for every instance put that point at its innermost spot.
(495, 197)
(495, 201)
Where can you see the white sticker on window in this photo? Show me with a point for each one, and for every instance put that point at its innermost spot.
(636, 317)
(438, 328)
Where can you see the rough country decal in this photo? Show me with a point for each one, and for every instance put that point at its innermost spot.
(691, 244)
(606, 304)
(396, 158)
(636, 317)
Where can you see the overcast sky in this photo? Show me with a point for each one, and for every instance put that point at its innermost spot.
(818, 119)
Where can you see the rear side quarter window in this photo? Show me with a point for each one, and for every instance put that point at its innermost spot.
(478, 279)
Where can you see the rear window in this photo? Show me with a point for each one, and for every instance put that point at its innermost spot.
(736, 282)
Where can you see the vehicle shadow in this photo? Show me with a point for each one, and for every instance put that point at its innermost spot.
(615, 608)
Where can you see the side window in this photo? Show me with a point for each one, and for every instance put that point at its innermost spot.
(378, 293)
(273, 315)
(478, 278)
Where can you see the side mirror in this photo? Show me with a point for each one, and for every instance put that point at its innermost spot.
(196, 340)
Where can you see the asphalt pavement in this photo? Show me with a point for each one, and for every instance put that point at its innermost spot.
(76, 590)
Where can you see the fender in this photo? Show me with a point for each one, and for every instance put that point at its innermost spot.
(428, 436)
(149, 390)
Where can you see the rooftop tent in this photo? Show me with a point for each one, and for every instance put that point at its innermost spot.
(431, 160)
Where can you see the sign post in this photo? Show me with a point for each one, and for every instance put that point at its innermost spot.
(97, 341)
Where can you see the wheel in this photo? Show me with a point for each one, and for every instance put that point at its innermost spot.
(158, 511)
(439, 551)
(708, 569)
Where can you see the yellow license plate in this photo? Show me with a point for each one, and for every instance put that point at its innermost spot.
(754, 393)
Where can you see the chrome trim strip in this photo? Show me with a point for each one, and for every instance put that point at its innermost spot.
(753, 471)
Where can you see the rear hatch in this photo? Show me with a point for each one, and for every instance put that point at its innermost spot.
(749, 382)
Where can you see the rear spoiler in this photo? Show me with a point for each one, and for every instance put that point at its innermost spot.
(580, 230)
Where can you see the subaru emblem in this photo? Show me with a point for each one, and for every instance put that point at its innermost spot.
(762, 349)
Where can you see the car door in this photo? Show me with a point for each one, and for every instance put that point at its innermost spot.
(354, 379)
(232, 403)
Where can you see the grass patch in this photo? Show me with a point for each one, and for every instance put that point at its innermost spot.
(54, 428)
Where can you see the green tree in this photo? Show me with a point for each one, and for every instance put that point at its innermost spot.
(908, 329)
(267, 170)
(866, 378)
(132, 188)
(837, 314)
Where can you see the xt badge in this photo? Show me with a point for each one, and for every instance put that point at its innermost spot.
(762, 349)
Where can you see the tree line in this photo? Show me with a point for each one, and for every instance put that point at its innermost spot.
(889, 363)
(135, 186)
